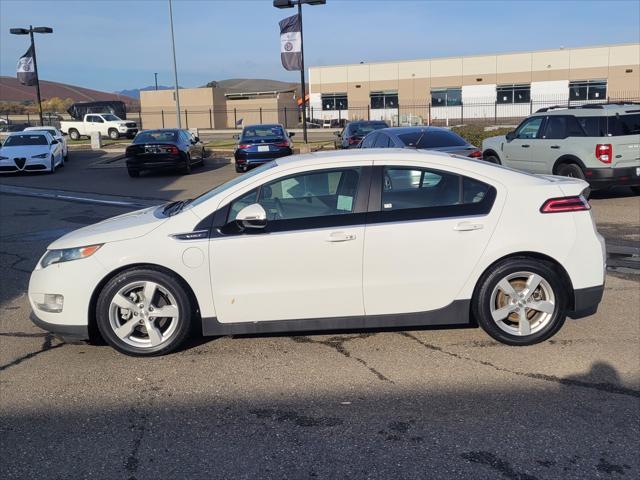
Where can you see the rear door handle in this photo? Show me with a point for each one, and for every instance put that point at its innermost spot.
(525, 146)
(341, 237)
(468, 226)
(555, 146)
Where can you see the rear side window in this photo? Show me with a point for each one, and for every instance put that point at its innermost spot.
(410, 188)
(593, 126)
(432, 139)
(562, 126)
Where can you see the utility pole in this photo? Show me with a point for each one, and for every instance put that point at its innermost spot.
(175, 68)
(156, 79)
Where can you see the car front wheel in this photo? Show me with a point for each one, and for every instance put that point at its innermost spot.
(521, 301)
(113, 134)
(144, 312)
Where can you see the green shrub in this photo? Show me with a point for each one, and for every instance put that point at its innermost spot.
(476, 134)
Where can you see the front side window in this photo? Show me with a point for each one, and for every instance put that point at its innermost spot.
(529, 128)
(410, 188)
(369, 141)
(432, 138)
(516, 93)
(314, 194)
(334, 101)
(446, 97)
(384, 99)
(588, 90)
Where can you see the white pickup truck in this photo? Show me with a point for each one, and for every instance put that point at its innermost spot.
(105, 123)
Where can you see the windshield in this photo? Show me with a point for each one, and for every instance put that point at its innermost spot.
(363, 128)
(231, 183)
(156, 136)
(262, 131)
(432, 139)
(110, 118)
(22, 140)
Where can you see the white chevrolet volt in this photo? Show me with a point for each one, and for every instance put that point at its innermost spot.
(333, 241)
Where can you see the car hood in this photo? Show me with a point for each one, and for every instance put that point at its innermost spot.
(123, 227)
(24, 151)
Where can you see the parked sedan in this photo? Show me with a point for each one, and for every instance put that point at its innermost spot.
(422, 138)
(167, 148)
(56, 134)
(325, 241)
(258, 144)
(354, 132)
(30, 152)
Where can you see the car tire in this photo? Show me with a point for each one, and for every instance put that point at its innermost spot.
(52, 167)
(113, 134)
(187, 167)
(492, 159)
(636, 190)
(501, 301)
(133, 173)
(203, 154)
(239, 169)
(74, 134)
(127, 329)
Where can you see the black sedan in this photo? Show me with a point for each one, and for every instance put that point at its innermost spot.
(355, 131)
(167, 148)
(258, 144)
(428, 138)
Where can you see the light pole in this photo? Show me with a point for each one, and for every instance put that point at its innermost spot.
(291, 4)
(156, 79)
(30, 31)
(175, 68)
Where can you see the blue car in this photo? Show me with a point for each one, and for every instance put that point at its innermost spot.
(259, 144)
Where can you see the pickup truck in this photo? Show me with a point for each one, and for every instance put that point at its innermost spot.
(105, 123)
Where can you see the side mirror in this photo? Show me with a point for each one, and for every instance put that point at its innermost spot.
(54, 142)
(196, 139)
(337, 134)
(510, 136)
(236, 137)
(252, 216)
(291, 134)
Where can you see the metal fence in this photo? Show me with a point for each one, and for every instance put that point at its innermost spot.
(468, 112)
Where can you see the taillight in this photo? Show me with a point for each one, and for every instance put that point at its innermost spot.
(282, 144)
(353, 140)
(244, 145)
(172, 150)
(475, 154)
(604, 152)
(565, 204)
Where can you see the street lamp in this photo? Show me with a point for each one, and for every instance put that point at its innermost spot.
(291, 4)
(175, 68)
(30, 31)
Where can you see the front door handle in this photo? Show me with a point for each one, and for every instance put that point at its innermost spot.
(468, 226)
(525, 146)
(555, 146)
(341, 237)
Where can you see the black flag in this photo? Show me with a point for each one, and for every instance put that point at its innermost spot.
(26, 69)
(291, 43)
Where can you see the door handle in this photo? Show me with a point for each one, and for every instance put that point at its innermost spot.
(555, 146)
(525, 146)
(468, 226)
(340, 237)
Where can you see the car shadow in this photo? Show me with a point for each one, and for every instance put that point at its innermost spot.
(613, 192)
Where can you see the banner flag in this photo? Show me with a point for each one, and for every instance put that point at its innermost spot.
(290, 43)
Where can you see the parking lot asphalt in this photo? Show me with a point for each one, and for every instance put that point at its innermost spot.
(392, 404)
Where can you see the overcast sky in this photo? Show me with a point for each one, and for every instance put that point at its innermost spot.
(118, 44)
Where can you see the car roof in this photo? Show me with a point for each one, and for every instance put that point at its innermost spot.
(43, 128)
(591, 109)
(263, 125)
(404, 130)
(29, 132)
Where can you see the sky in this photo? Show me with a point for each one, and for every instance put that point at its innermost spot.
(119, 44)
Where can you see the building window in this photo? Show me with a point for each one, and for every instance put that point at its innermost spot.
(588, 90)
(388, 99)
(513, 93)
(334, 101)
(446, 97)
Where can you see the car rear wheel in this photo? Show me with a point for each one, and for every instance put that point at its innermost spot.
(144, 312)
(636, 190)
(492, 159)
(187, 167)
(113, 134)
(74, 134)
(521, 301)
(133, 173)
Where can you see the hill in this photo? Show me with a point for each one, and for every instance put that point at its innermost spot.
(135, 92)
(12, 91)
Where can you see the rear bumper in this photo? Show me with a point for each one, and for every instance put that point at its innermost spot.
(256, 158)
(609, 177)
(586, 301)
(155, 162)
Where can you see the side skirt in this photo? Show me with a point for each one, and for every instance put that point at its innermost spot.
(456, 313)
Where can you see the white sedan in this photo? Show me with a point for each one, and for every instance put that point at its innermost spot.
(56, 134)
(30, 152)
(333, 241)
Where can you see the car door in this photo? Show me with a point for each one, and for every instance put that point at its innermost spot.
(426, 230)
(518, 151)
(307, 262)
(551, 144)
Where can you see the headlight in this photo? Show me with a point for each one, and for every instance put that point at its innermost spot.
(68, 254)
(3, 158)
(42, 155)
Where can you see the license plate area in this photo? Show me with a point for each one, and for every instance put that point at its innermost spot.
(152, 149)
(263, 148)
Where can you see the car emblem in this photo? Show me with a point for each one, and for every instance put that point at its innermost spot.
(20, 162)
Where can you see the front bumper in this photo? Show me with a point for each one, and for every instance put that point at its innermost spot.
(586, 301)
(609, 177)
(16, 165)
(67, 332)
